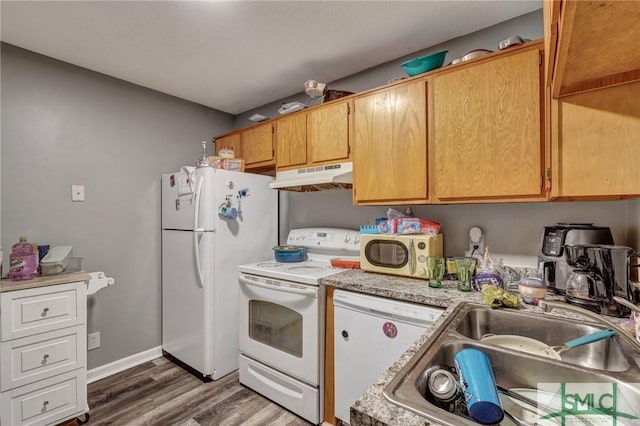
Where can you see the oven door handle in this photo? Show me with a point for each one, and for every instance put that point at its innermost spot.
(310, 292)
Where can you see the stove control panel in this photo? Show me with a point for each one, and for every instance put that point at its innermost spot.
(325, 238)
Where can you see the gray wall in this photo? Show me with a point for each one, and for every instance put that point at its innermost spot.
(528, 26)
(513, 228)
(64, 125)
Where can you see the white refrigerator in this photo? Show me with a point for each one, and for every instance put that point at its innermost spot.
(212, 221)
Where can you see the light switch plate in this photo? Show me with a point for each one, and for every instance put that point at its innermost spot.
(77, 192)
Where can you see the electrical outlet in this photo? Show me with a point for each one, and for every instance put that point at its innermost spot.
(476, 241)
(93, 341)
(77, 192)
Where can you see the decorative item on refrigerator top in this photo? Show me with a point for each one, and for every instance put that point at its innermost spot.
(23, 261)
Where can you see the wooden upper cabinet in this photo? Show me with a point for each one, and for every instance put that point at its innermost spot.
(231, 141)
(320, 135)
(488, 142)
(257, 145)
(328, 132)
(390, 145)
(291, 140)
(592, 44)
(596, 146)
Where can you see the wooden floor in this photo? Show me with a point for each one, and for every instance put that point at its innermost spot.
(161, 393)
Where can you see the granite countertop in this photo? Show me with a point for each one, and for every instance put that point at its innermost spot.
(42, 281)
(372, 408)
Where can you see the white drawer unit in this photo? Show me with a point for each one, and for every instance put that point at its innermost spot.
(37, 310)
(48, 401)
(37, 357)
(43, 352)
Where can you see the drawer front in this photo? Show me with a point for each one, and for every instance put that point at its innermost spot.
(45, 402)
(38, 310)
(34, 358)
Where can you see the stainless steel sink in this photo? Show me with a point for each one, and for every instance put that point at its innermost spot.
(610, 363)
(603, 355)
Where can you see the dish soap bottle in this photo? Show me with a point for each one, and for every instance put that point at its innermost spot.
(23, 261)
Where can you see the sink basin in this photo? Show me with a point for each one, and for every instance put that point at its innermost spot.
(603, 355)
(596, 369)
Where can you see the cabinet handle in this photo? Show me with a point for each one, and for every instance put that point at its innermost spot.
(345, 334)
(44, 405)
(45, 358)
(45, 311)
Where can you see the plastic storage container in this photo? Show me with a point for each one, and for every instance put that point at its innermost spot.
(23, 261)
(532, 290)
(56, 260)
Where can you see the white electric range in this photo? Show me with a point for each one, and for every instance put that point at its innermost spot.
(282, 320)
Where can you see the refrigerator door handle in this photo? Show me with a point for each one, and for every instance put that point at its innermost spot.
(197, 231)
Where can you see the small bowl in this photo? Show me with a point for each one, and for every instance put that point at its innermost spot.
(423, 64)
(475, 54)
(289, 254)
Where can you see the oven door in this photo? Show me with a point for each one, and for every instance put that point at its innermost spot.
(279, 325)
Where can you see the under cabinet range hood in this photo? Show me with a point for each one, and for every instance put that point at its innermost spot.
(328, 176)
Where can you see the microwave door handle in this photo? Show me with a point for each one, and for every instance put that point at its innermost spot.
(412, 259)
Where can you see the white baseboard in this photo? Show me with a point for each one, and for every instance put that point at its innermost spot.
(122, 364)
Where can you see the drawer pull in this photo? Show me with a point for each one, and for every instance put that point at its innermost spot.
(45, 311)
(45, 358)
(44, 406)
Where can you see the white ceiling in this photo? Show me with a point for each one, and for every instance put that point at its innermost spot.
(237, 55)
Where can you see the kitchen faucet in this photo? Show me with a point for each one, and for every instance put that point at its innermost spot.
(548, 305)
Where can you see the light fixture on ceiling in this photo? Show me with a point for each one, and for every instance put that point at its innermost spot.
(314, 89)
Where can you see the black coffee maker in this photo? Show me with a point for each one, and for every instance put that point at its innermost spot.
(554, 268)
(600, 272)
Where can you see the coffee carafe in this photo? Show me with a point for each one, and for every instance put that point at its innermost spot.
(599, 273)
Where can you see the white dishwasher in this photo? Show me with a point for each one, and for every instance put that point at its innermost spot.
(370, 334)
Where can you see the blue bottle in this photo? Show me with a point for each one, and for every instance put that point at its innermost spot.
(479, 386)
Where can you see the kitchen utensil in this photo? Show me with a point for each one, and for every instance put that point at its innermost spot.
(289, 254)
(472, 54)
(527, 405)
(465, 267)
(479, 386)
(510, 41)
(345, 263)
(435, 269)
(536, 347)
(425, 63)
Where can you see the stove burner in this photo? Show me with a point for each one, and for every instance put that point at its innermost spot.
(305, 269)
(269, 265)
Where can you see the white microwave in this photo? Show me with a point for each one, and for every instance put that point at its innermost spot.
(404, 255)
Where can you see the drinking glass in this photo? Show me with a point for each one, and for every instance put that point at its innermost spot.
(465, 266)
(435, 268)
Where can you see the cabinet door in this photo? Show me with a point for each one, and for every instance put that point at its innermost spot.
(230, 141)
(291, 141)
(328, 132)
(597, 150)
(257, 145)
(390, 145)
(488, 140)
